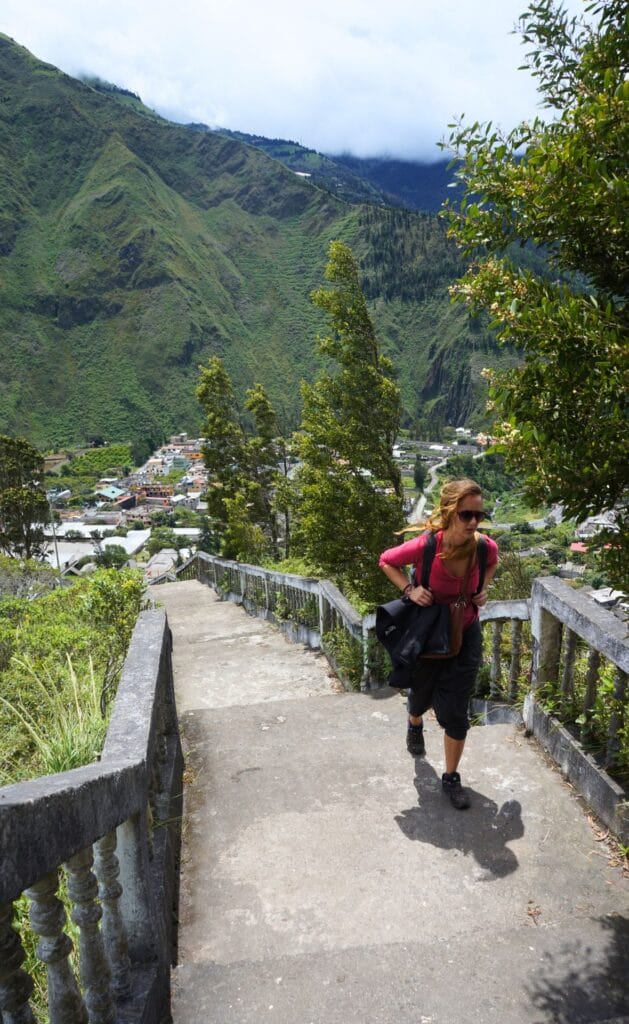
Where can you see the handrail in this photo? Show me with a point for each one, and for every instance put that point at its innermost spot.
(129, 806)
(552, 635)
(599, 628)
(566, 627)
(307, 610)
(316, 613)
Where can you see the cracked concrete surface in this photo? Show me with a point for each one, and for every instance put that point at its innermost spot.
(327, 880)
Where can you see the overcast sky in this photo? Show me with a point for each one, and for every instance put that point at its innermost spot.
(367, 76)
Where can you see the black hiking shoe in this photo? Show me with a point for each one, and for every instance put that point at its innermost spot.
(415, 740)
(459, 797)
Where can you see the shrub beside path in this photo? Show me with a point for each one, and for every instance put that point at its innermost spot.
(325, 878)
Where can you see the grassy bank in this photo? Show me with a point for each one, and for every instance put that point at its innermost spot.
(60, 659)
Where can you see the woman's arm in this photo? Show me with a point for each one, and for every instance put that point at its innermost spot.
(420, 595)
(397, 577)
(481, 598)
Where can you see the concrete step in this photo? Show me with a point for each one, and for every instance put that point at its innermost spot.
(327, 880)
(224, 657)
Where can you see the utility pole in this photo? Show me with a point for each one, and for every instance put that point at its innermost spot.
(54, 533)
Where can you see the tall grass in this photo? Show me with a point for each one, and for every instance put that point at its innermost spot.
(68, 733)
(74, 729)
(60, 660)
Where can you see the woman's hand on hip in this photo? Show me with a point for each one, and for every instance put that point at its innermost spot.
(422, 596)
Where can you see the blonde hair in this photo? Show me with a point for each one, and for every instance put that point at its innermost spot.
(452, 493)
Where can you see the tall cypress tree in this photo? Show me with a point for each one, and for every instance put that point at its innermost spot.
(350, 487)
(263, 456)
(23, 503)
(243, 468)
(223, 451)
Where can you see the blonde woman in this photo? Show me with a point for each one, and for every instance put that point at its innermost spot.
(446, 685)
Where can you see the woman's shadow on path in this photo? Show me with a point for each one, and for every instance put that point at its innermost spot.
(484, 830)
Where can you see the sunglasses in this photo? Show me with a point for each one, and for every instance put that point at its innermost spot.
(467, 515)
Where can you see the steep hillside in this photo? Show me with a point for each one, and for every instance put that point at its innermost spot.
(389, 182)
(131, 249)
(325, 172)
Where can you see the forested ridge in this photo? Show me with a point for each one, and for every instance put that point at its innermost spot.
(133, 249)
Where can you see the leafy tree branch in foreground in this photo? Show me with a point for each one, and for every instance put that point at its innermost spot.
(561, 186)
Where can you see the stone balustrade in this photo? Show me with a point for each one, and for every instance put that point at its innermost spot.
(308, 611)
(554, 638)
(108, 834)
(567, 627)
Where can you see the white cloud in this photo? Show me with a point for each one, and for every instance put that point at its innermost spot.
(355, 75)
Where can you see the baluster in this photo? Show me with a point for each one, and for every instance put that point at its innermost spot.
(478, 682)
(48, 917)
(495, 669)
(567, 676)
(113, 928)
(617, 718)
(86, 913)
(16, 985)
(328, 617)
(368, 660)
(516, 651)
(589, 698)
(546, 632)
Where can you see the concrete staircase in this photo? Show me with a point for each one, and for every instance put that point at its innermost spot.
(327, 880)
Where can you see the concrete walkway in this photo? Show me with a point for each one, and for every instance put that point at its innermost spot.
(326, 880)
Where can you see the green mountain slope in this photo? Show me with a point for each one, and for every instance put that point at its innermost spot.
(131, 249)
(327, 173)
(383, 180)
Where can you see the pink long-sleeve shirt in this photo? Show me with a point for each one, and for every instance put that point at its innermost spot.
(445, 586)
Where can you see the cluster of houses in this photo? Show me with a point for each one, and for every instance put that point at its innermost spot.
(123, 511)
(128, 505)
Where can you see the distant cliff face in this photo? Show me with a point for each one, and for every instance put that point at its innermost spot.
(131, 249)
